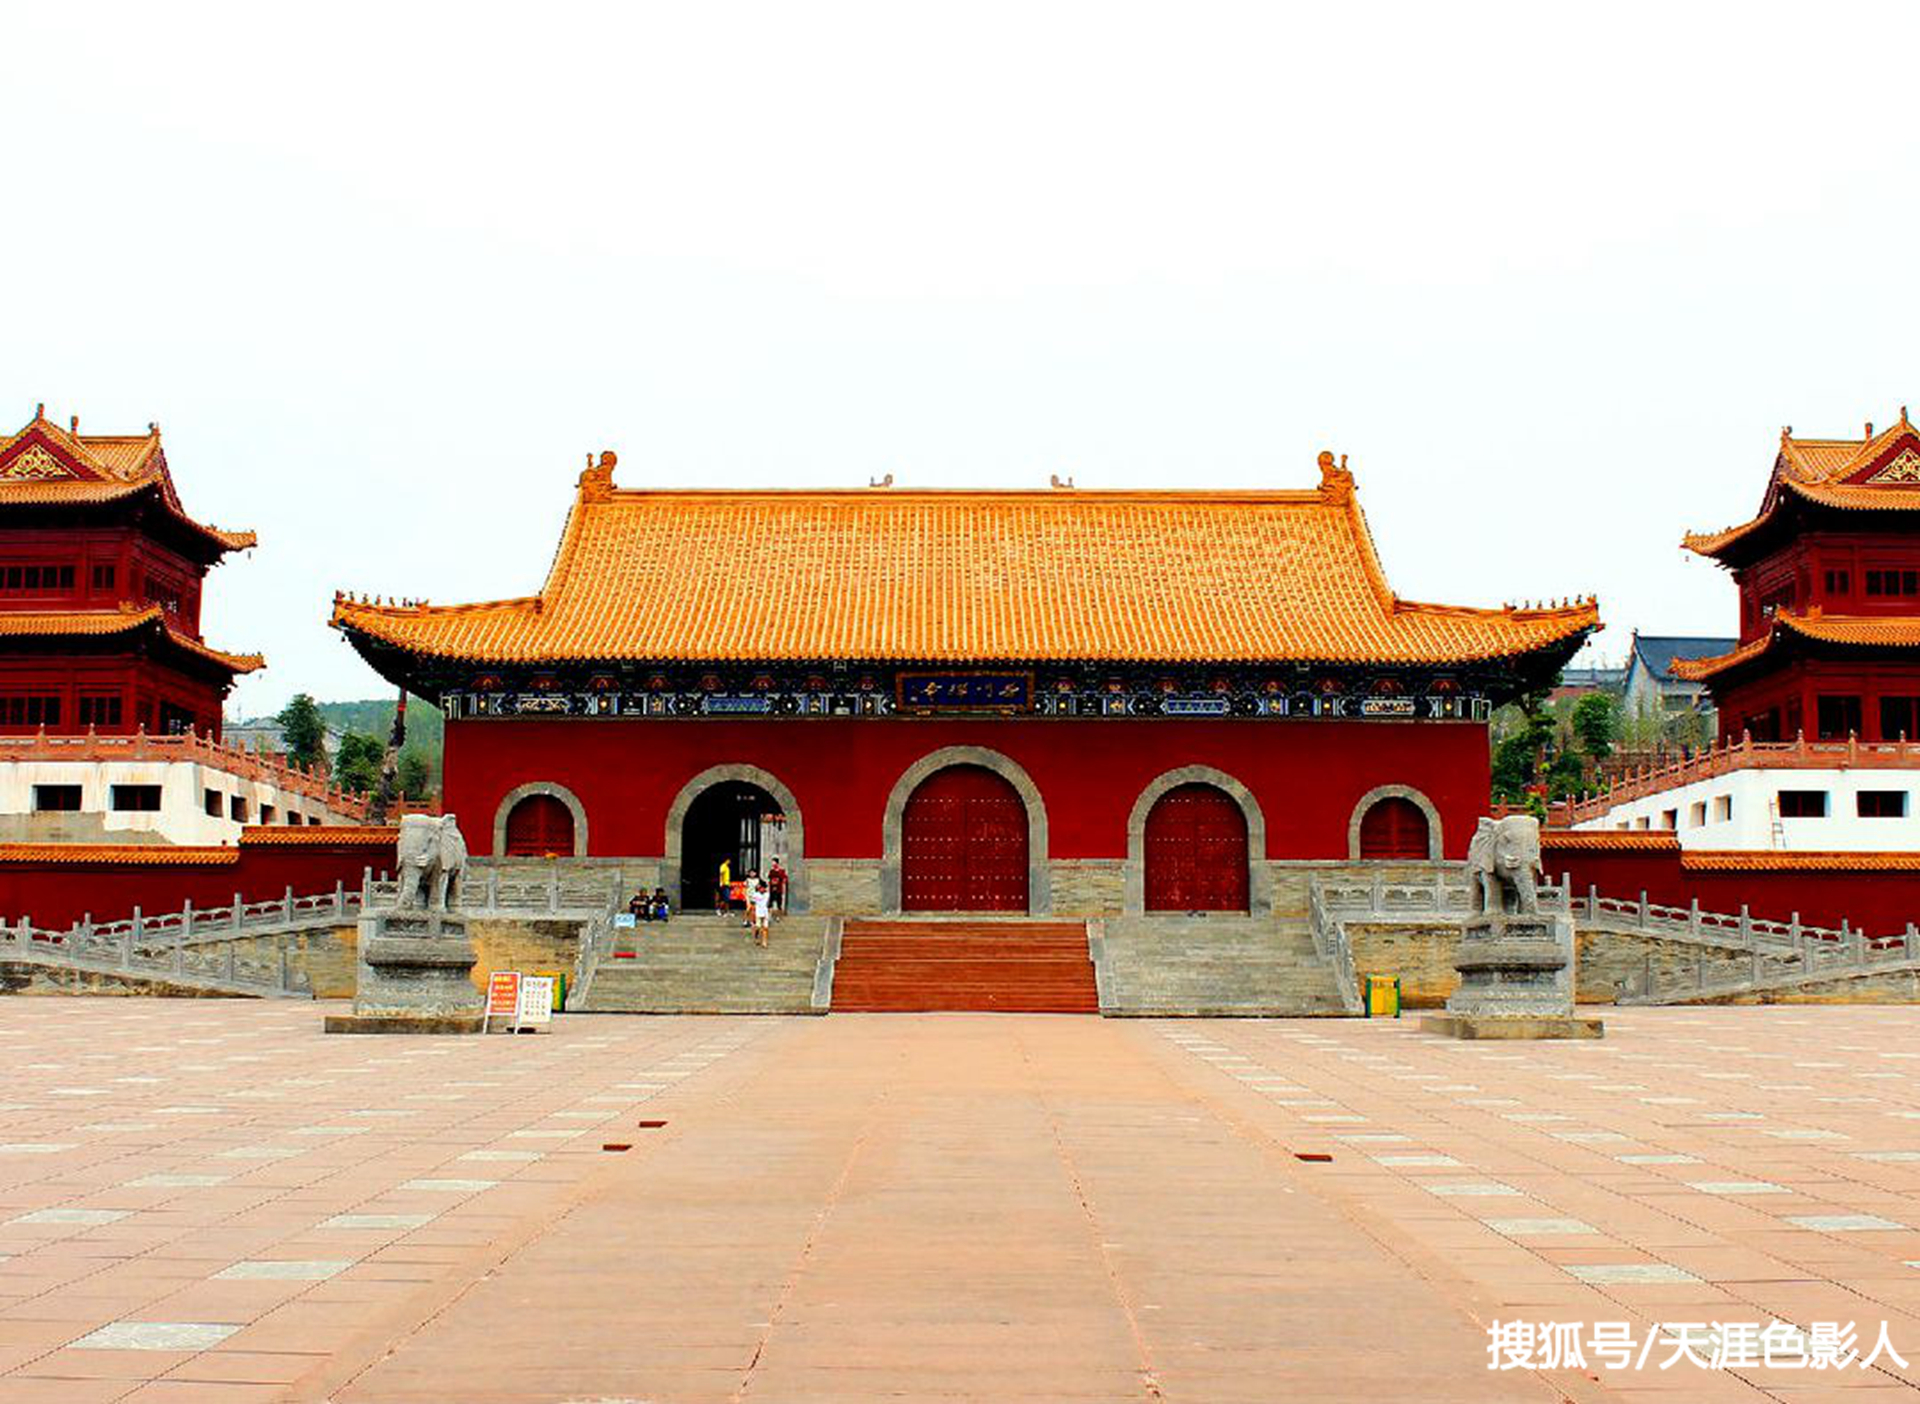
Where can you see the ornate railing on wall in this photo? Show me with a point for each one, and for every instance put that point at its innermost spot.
(1330, 943)
(187, 746)
(1747, 754)
(168, 953)
(491, 888)
(1738, 951)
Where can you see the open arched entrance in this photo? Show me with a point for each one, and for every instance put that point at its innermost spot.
(735, 822)
(1196, 852)
(963, 844)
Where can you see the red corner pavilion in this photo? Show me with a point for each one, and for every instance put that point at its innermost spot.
(101, 571)
(1047, 702)
(1829, 580)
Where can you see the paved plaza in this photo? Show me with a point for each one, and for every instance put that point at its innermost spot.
(208, 1200)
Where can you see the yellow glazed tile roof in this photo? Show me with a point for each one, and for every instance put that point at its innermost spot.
(955, 575)
(23, 624)
(110, 466)
(1818, 470)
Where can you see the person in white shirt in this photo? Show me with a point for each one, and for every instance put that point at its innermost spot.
(759, 901)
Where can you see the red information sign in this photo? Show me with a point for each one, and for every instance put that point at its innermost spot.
(503, 994)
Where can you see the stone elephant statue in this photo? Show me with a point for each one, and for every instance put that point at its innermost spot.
(1503, 860)
(433, 860)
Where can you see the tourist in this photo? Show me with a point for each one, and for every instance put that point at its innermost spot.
(657, 908)
(637, 908)
(743, 894)
(723, 890)
(777, 886)
(760, 899)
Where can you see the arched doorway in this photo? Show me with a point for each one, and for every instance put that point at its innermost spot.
(1196, 852)
(539, 826)
(1394, 828)
(963, 844)
(734, 821)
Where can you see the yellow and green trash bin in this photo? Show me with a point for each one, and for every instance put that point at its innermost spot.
(1380, 997)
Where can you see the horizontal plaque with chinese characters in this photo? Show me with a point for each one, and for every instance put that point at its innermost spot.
(966, 692)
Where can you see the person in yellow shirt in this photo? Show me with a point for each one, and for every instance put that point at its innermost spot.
(723, 892)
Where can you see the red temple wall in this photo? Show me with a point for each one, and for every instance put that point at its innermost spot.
(1307, 776)
(1880, 902)
(107, 884)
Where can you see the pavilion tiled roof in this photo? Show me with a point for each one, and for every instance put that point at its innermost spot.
(1870, 474)
(886, 574)
(70, 467)
(1776, 860)
(159, 855)
(1862, 631)
(100, 623)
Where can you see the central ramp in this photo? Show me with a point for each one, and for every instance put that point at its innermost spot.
(961, 963)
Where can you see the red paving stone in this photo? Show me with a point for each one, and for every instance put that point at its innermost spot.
(940, 1207)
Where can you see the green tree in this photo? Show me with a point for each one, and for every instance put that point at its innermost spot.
(415, 776)
(302, 731)
(1596, 724)
(1526, 735)
(357, 765)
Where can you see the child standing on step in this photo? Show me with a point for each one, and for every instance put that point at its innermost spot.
(758, 901)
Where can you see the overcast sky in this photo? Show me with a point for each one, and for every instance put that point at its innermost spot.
(1552, 276)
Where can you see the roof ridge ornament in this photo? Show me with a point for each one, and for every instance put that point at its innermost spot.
(1335, 482)
(596, 483)
(885, 482)
(1059, 482)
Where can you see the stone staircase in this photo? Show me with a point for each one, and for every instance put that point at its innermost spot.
(703, 964)
(960, 963)
(1218, 964)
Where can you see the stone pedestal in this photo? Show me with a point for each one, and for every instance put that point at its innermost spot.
(1516, 981)
(413, 977)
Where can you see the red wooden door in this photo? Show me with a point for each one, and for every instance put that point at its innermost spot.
(1394, 828)
(963, 844)
(539, 825)
(1196, 852)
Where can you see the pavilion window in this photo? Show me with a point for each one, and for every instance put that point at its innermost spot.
(103, 578)
(1838, 717)
(100, 711)
(175, 720)
(1880, 804)
(1839, 583)
(36, 579)
(1764, 726)
(136, 799)
(33, 709)
(56, 799)
(212, 802)
(237, 809)
(1897, 718)
(1893, 584)
(1803, 804)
